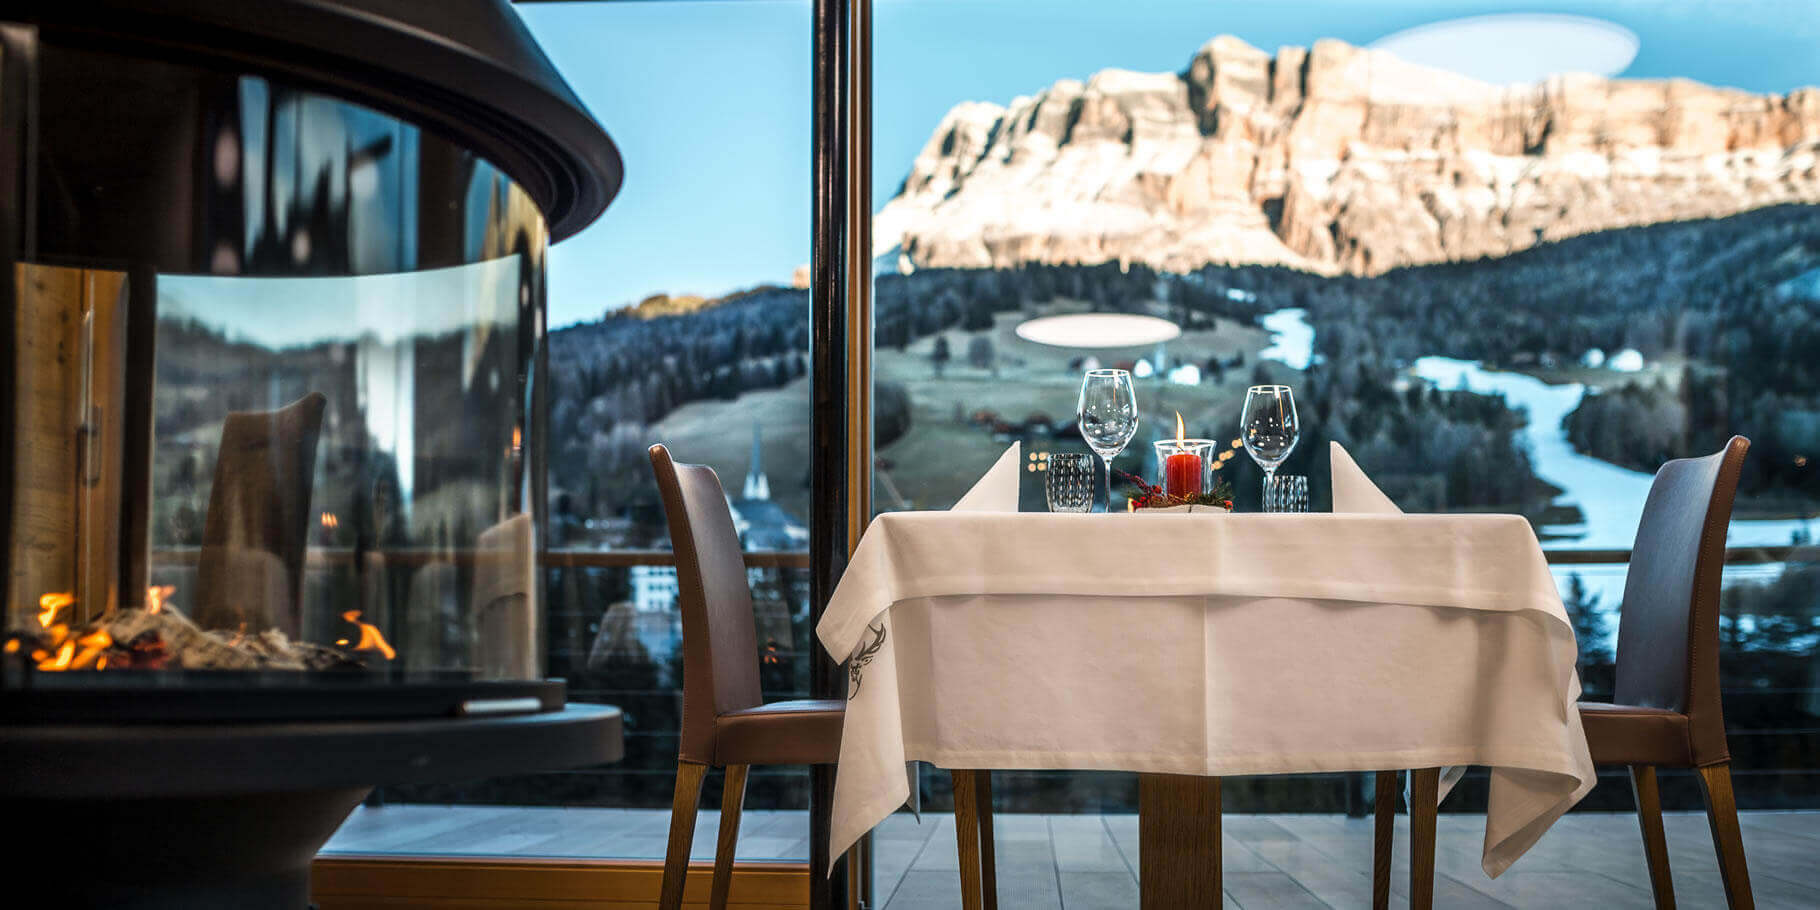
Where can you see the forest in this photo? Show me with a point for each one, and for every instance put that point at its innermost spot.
(1724, 300)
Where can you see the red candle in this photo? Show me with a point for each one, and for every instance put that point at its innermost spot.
(1182, 474)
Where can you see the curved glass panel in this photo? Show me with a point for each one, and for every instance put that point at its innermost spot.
(274, 394)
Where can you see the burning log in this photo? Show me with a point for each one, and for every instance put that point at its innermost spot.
(160, 637)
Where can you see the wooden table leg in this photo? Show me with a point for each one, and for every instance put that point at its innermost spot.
(982, 789)
(1424, 792)
(1383, 833)
(1178, 841)
(967, 836)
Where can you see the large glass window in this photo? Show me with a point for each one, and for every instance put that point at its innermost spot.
(1511, 263)
(681, 318)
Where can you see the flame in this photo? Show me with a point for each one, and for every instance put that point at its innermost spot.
(370, 639)
(330, 521)
(93, 645)
(1180, 433)
(155, 595)
(61, 660)
(49, 604)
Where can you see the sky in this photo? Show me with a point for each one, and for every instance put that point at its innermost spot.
(709, 100)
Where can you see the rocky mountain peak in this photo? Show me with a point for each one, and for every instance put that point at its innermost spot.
(1335, 159)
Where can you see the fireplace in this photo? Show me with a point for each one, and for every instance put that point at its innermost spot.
(275, 404)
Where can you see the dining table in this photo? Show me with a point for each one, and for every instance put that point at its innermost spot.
(1188, 647)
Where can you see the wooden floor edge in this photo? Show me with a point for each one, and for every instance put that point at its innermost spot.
(344, 882)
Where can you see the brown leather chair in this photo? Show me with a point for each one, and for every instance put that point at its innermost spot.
(1667, 712)
(725, 721)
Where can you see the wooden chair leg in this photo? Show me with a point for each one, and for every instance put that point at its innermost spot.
(1424, 793)
(982, 789)
(967, 836)
(1655, 842)
(1383, 833)
(1728, 841)
(682, 832)
(732, 799)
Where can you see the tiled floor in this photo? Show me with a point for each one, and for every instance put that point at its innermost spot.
(1078, 862)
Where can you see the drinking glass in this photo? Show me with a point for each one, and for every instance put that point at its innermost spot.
(1108, 416)
(1269, 427)
(1286, 493)
(1069, 482)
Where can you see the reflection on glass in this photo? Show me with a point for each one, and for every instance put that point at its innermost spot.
(405, 491)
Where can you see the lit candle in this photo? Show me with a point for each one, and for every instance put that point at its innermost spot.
(1182, 471)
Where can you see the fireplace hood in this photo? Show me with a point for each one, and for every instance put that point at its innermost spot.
(467, 68)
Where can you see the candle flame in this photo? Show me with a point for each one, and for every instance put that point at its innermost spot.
(1180, 433)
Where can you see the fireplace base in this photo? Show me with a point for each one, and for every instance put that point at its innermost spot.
(176, 853)
(200, 817)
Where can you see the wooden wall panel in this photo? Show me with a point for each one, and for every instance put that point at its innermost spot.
(70, 333)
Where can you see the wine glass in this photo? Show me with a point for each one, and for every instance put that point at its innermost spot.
(1269, 427)
(1108, 416)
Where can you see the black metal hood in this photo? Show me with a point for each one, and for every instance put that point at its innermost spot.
(466, 68)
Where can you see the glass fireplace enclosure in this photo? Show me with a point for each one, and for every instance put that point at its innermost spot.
(272, 398)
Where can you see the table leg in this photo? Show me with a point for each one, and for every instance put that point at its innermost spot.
(1383, 832)
(1424, 792)
(1178, 841)
(982, 790)
(967, 836)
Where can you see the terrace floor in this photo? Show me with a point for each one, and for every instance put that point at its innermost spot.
(1086, 862)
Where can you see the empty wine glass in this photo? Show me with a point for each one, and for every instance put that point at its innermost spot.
(1269, 427)
(1108, 416)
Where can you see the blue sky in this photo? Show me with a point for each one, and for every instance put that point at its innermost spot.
(709, 99)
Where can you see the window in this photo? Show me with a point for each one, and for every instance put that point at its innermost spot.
(1498, 297)
(677, 318)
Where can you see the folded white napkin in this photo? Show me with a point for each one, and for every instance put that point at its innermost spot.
(1352, 490)
(996, 490)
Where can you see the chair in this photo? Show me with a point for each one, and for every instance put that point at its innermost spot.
(725, 722)
(250, 570)
(1667, 712)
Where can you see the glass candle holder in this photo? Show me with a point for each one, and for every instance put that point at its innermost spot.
(1185, 466)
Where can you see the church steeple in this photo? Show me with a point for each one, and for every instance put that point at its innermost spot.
(757, 485)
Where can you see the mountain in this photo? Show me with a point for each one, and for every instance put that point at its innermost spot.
(1334, 159)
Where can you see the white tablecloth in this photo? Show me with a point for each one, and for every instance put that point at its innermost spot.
(1216, 645)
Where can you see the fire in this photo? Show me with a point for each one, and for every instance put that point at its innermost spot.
(50, 604)
(330, 521)
(1180, 432)
(155, 595)
(61, 660)
(92, 647)
(61, 648)
(370, 639)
